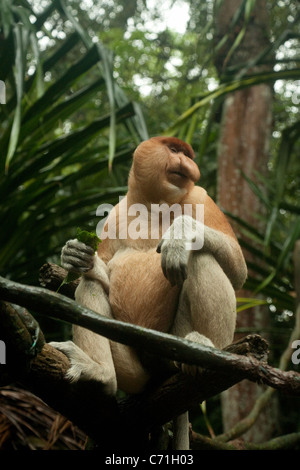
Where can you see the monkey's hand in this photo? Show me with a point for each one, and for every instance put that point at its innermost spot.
(184, 235)
(174, 260)
(77, 257)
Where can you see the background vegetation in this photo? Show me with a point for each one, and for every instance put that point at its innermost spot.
(87, 80)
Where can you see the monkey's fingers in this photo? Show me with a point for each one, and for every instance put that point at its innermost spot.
(77, 264)
(77, 257)
(72, 265)
(176, 274)
(174, 263)
(79, 247)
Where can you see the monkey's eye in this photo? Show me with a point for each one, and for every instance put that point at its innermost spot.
(173, 149)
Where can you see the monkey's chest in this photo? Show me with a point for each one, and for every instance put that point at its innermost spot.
(139, 292)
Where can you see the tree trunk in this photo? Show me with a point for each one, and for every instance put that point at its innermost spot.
(244, 149)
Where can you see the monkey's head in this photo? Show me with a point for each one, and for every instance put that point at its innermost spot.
(163, 169)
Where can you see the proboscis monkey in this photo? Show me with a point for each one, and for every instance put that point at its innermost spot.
(178, 277)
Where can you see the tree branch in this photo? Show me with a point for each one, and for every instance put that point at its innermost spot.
(51, 276)
(247, 422)
(161, 401)
(287, 441)
(162, 344)
(133, 416)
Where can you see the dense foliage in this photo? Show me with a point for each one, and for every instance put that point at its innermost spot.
(86, 81)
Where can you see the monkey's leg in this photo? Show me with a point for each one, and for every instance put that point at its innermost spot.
(90, 354)
(95, 357)
(206, 315)
(207, 305)
(132, 377)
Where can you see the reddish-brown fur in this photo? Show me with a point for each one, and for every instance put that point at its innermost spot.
(139, 292)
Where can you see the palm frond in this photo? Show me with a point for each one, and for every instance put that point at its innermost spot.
(55, 141)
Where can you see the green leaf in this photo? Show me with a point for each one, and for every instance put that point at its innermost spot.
(229, 87)
(89, 238)
(70, 277)
(248, 303)
(19, 80)
(107, 73)
(54, 172)
(60, 112)
(6, 17)
(248, 5)
(61, 86)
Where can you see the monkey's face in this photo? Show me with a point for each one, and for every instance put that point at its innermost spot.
(180, 170)
(163, 169)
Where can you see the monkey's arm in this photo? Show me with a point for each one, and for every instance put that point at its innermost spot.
(80, 258)
(187, 235)
(90, 354)
(221, 241)
(228, 254)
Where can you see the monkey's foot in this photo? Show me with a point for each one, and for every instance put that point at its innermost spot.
(84, 368)
(196, 338)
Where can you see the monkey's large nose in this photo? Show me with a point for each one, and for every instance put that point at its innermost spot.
(189, 169)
